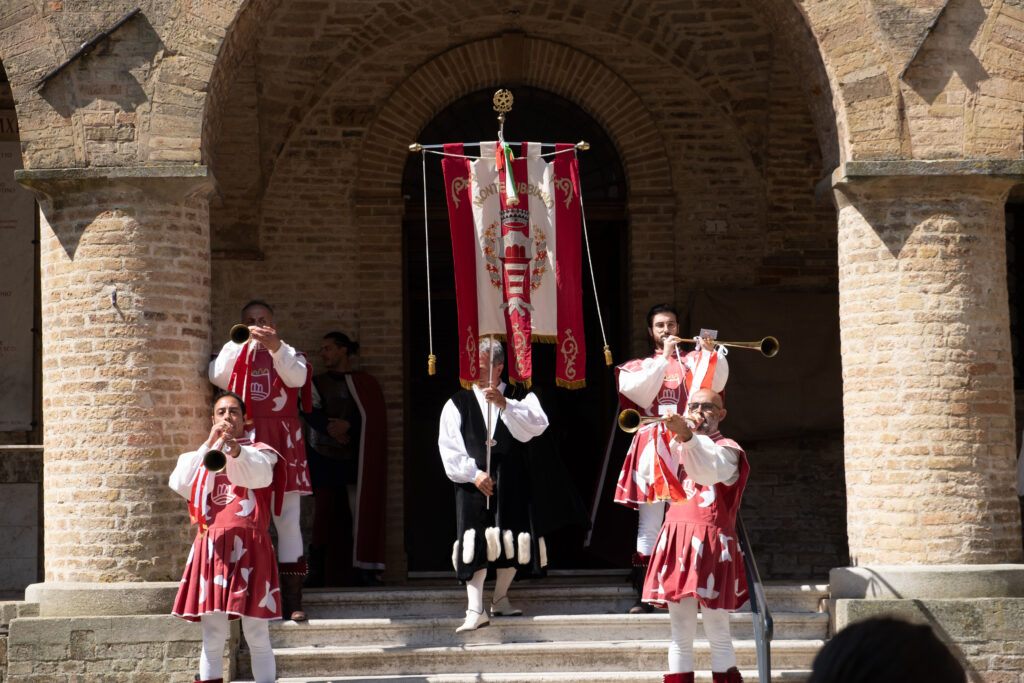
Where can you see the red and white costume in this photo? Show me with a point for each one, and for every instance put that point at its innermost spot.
(654, 387)
(231, 568)
(697, 554)
(270, 384)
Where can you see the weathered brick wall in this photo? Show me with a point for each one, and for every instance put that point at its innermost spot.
(928, 396)
(124, 376)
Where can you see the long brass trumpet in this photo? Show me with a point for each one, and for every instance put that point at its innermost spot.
(768, 346)
(215, 459)
(630, 420)
(239, 334)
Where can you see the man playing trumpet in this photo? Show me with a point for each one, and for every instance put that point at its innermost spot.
(231, 571)
(697, 559)
(269, 374)
(655, 386)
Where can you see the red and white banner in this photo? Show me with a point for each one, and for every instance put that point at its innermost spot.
(517, 266)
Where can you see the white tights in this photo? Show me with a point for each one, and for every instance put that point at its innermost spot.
(683, 616)
(289, 536)
(475, 586)
(257, 635)
(650, 517)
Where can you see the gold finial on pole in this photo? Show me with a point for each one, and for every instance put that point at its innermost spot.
(415, 147)
(502, 103)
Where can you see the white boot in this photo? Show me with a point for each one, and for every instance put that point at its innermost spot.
(474, 620)
(502, 607)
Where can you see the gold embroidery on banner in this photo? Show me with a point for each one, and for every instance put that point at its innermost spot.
(458, 185)
(541, 262)
(474, 360)
(491, 254)
(569, 350)
(520, 342)
(565, 185)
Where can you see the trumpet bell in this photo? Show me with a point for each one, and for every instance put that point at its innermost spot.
(630, 420)
(769, 347)
(215, 460)
(239, 334)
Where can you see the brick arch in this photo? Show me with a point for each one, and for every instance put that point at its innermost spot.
(862, 79)
(475, 66)
(29, 48)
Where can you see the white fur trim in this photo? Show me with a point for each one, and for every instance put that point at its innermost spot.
(455, 555)
(524, 548)
(542, 547)
(468, 546)
(492, 534)
(508, 541)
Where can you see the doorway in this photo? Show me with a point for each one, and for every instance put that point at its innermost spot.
(580, 419)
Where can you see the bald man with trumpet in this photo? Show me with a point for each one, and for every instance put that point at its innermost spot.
(657, 386)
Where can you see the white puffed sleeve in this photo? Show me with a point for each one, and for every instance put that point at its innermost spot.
(459, 467)
(525, 419)
(642, 386)
(706, 462)
(290, 366)
(224, 363)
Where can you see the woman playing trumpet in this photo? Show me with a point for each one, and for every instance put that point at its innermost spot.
(655, 386)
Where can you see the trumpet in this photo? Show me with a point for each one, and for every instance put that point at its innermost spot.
(768, 346)
(215, 459)
(630, 420)
(239, 334)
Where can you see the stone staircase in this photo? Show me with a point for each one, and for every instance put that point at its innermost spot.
(571, 630)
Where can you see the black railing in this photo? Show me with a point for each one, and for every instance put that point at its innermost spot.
(763, 625)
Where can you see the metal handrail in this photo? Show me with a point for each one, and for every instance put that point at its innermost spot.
(762, 616)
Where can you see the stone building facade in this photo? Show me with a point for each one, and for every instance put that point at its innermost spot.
(860, 154)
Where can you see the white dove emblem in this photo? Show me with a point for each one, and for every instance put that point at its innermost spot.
(247, 507)
(209, 548)
(221, 581)
(237, 551)
(245, 577)
(202, 589)
(268, 600)
(707, 497)
(698, 550)
(724, 540)
(708, 593)
(662, 542)
(737, 589)
(280, 400)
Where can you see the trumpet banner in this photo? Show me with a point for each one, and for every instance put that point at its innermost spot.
(517, 263)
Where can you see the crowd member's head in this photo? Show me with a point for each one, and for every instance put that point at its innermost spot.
(662, 322)
(886, 650)
(258, 312)
(490, 372)
(336, 351)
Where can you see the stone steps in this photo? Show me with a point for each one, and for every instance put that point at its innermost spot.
(571, 631)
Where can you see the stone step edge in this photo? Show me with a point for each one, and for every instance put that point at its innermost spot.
(537, 677)
(320, 624)
(555, 592)
(511, 649)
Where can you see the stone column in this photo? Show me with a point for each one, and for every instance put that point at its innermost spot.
(125, 261)
(932, 515)
(928, 394)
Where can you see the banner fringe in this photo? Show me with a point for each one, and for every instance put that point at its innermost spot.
(565, 384)
(466, 384)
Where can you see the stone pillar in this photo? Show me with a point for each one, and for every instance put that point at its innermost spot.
(928, 403)
(125, 261)
(928, 396)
